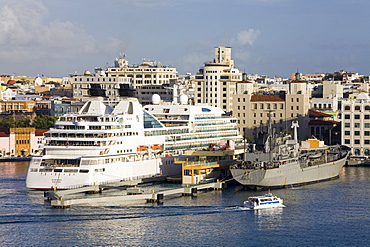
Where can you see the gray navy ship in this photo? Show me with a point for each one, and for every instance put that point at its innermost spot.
(275, 161)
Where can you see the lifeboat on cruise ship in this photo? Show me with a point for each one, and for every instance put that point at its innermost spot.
(142, 148)
(156, 147)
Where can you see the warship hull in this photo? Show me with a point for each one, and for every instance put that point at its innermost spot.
(289, 174)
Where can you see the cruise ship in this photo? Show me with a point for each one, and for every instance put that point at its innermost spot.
(101, 144)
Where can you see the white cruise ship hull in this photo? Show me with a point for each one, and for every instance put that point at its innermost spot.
(288, 174)
(71, 177)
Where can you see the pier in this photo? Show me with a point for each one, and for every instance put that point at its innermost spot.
(128, 196)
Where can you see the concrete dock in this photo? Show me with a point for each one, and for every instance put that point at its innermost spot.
(96, 195)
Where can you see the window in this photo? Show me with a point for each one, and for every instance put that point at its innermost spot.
(367, 133)
(347, 116)
(357, 133)
(347, 133)
(367, 108)
(357, 125)
(347, 125)
(347, 108)
(357, 141)
(367, 116)
(367, 125)
(357, 116)
(357, 108)
(347, 141)
(367, 141)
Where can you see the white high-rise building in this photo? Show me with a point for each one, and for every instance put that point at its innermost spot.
(216, 81)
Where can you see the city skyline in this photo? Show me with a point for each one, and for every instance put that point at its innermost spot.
(268, 37)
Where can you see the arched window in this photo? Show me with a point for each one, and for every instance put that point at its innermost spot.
(366, 151)
(347, 108)
(357, 108)
(367, 108)
(357, 151)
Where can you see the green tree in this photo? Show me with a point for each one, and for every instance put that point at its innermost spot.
(44, 122)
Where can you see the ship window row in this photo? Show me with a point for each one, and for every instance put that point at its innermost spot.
(202, 136)
(78, 143)
(124, 151)
(216, 128)
(213, 123)
(60, 162)
(162, 132)
(43, 170)
(93, 135)
(88, 119)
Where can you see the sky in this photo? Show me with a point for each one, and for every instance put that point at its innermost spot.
(56, 38)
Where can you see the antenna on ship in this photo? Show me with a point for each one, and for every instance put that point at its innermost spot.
(295, 127)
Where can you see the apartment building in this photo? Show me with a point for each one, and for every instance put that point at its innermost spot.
(355, 118)
(255, 110)
(144, 74)
(216, 81)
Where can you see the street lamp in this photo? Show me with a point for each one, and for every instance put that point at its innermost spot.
(330, 129)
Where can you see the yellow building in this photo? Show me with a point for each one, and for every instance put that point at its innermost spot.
(11, 106)
(22, 140)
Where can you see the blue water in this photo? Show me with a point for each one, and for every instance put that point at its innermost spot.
(333, 213)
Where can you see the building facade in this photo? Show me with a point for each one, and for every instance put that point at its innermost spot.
(216, 81)
(144, 74)
(355, 118)
(21, 141)
(109, 88)
(254, 111)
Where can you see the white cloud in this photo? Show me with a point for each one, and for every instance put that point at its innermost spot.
(248, 37)
(242, 55)
(24, 27)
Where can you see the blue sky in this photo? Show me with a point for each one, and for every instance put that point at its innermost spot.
(269, 37)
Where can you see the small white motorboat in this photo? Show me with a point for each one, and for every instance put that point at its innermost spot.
(266, 201)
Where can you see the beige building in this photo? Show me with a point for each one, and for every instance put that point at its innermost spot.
(255, 110)
(356, 124)
(332, 89)
(109, 88)
(216, 81)
(147, 73)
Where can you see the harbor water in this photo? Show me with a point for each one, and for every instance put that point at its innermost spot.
(332, 213)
